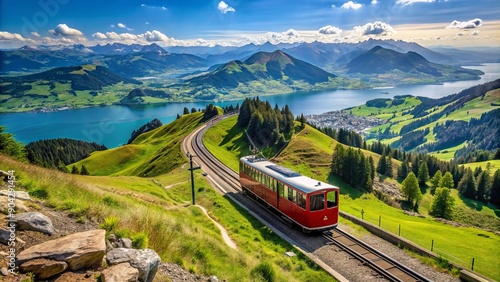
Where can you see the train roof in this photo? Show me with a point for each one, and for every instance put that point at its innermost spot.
(286, 175)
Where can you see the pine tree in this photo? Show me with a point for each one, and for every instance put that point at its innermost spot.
(467, 185)
(495, 189)
(388, 170)
(74, 170)
(382, 164)
(442, 205)
(435, 181)
(410, 189)
(185, 111)
(403, 169)
(423, 174)
(483, 185)
(447, 181)
(84, 171)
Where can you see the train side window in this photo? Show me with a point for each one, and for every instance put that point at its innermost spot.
(317, 202)
(280, 189)
(289, 193)
(301, 200)
(331, 197)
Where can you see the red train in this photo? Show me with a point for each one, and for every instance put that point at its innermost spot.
(311, 204)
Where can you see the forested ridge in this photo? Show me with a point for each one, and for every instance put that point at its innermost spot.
(57, 153)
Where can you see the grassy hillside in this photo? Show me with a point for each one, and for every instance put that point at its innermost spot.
(162, 213)
(310, 151)
(398, 113)
(152, 153)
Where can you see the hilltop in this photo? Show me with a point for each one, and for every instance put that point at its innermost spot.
(63, 87)
(382, 64)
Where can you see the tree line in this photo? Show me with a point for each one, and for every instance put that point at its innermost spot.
(265, 125)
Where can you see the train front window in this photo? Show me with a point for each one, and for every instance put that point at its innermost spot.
(331, 197)
(317, 202)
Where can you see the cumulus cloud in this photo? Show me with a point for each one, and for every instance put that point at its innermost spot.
(466, 25)
(351, 5)
(154, 36)
(330, 30)
(64, 30)
(410, 2)
(225, 8)
(99, 35)
(35, 34)
(375, 28)
(374, 2)
(4, 35)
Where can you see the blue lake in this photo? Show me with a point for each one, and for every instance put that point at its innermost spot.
(112, 125)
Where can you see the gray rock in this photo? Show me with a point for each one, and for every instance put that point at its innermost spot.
(34, 221)
(122, 272)
(145, 260)
(213, 279)
(127, 243)
(4, 236)
(43, 268)
(79, 250)
(4, 271)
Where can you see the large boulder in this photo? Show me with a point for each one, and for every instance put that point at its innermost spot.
(43, 268)
(4, 236)
(34, 221)
(122, 272)
(79, 250)
(146, 261)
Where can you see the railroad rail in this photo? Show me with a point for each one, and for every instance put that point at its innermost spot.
(383, 264)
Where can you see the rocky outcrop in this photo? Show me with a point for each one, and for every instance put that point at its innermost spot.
(34, 221)
(146, 261)
(155, 123)
(19, 195)
(43, 268)
(122, 272)
(79, 250)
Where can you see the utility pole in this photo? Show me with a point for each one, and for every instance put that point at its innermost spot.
(191, 168)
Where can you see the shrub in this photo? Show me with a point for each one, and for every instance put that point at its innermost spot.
(39, 193)
(264, 271)
(110, 223)
(140, 240)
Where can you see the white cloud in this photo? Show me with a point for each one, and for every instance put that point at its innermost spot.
(224, 8)
(163, 8)
(374, 2)
(330, 30)
(146, 22)
(121, 25)
(35, 34)
(466, 25)
(64, 30)
(154, 36)
(410, 2)
(4, 35)
(351, 5)
(476, 32)
(143, 5)
(375, 28)
(112, 25)
(99, 35)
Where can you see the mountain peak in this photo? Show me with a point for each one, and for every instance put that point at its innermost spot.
(153, 48)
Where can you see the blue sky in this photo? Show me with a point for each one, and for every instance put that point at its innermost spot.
(238, 22)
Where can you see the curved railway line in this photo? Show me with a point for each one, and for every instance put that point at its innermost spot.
(388, 268)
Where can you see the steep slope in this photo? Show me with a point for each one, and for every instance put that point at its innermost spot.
(150, 154)
(263, 66)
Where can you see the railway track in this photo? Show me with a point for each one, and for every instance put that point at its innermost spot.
(384, 265)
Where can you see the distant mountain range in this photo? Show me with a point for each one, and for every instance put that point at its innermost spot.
(276, 66)
(410, 65)
(129, 61)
